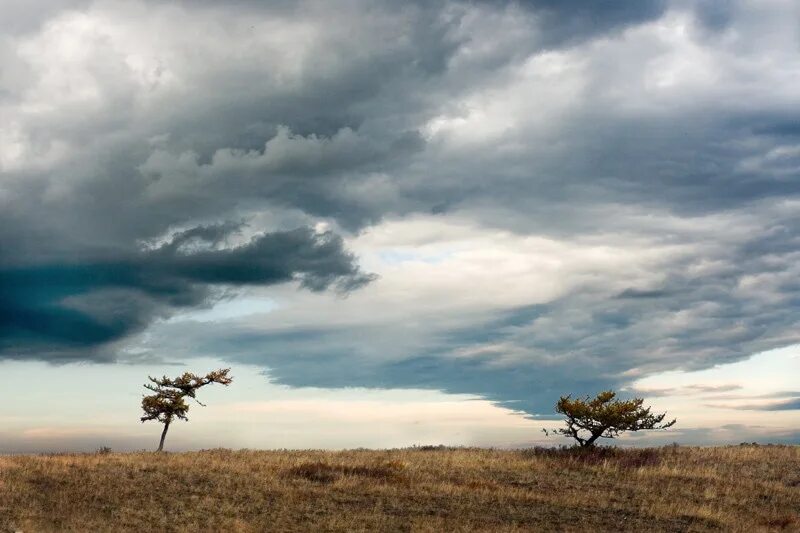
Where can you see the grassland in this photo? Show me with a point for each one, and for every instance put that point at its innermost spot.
(742, 488)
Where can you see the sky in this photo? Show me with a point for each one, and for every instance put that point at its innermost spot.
(398, 223)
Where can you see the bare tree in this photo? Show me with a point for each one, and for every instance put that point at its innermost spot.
(168, 400)
(604, 417)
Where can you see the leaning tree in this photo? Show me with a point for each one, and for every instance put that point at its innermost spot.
(604, 417)
(168, 400)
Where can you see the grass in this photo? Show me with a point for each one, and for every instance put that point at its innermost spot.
(741, 488)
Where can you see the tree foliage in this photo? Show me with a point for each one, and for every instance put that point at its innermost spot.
(604, 417)
(168, 400)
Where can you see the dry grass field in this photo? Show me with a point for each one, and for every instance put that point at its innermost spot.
(742, 488)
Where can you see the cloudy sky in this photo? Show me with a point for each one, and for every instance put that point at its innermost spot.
(398, 222)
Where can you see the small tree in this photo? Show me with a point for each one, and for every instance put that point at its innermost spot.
(604, 417)
(169, 399)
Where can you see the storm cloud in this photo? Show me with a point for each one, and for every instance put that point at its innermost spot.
(74, 309)
(555, 196)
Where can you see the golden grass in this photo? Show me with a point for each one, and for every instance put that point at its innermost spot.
(743, 488)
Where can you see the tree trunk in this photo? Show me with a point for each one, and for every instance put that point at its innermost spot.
(590, 441)
(163, 436)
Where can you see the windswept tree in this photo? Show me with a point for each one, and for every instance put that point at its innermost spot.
(603, 417)
(168, 400)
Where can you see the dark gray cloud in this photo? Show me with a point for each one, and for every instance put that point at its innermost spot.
(336, 358)
(792, 404)
(381, 357)
(788, 405)
(715, 15)
(702, 315)
(129, 140)
(580, 344)
(642, 293)
(575, 20)
(75, 309)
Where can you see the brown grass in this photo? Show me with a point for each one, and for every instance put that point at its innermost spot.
(742, 488)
